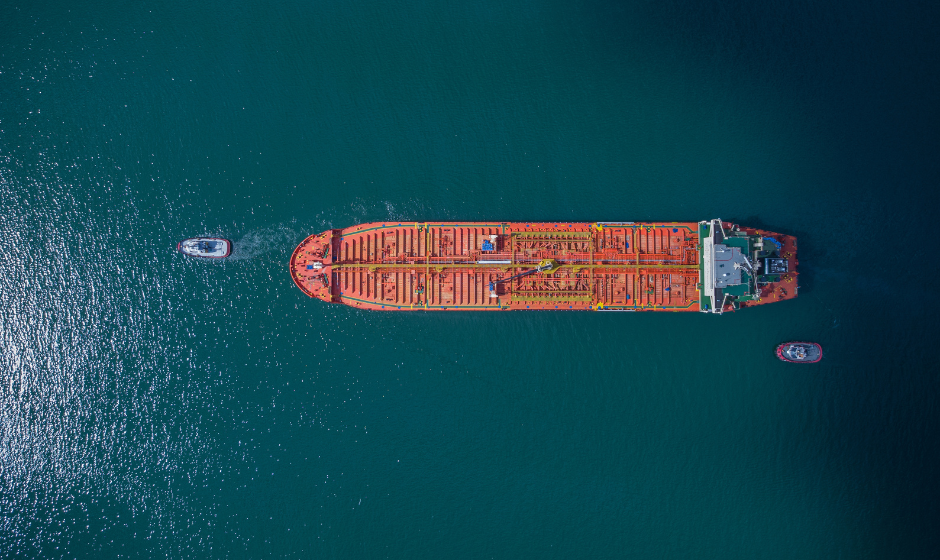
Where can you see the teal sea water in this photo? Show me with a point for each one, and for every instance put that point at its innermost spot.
(153, 406)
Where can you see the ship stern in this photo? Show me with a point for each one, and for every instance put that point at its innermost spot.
(744, 267)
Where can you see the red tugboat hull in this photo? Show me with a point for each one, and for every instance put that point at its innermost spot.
(791, 352)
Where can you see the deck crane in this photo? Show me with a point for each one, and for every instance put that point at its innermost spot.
(543, 266)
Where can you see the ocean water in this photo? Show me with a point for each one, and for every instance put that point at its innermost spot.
(153, 406)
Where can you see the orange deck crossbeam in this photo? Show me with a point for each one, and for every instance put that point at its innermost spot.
(456, 265)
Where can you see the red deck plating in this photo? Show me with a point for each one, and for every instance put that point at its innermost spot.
(453, 266)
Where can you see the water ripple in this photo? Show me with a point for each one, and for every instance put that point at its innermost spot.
(91, 372)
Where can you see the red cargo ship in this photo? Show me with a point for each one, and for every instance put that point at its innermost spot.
(709, 266)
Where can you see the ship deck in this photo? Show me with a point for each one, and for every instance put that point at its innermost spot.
(468, 265)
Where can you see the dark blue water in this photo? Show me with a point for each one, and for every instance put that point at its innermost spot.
(154, 406)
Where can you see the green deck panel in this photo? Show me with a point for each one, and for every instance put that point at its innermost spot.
(738, 290)
(739, 242)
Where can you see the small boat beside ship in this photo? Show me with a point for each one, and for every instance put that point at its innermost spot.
(205, 247)
(800, 352)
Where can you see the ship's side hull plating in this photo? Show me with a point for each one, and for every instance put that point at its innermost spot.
(499, 266)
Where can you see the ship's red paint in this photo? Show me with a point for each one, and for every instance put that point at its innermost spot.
(443, 266)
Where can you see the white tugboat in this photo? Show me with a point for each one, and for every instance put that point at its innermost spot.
(206, 247)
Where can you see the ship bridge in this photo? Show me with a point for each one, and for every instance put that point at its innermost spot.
(743, 266)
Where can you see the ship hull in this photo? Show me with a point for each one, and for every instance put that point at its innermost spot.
(495, 266)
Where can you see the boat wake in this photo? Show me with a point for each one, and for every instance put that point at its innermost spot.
(263, 241)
